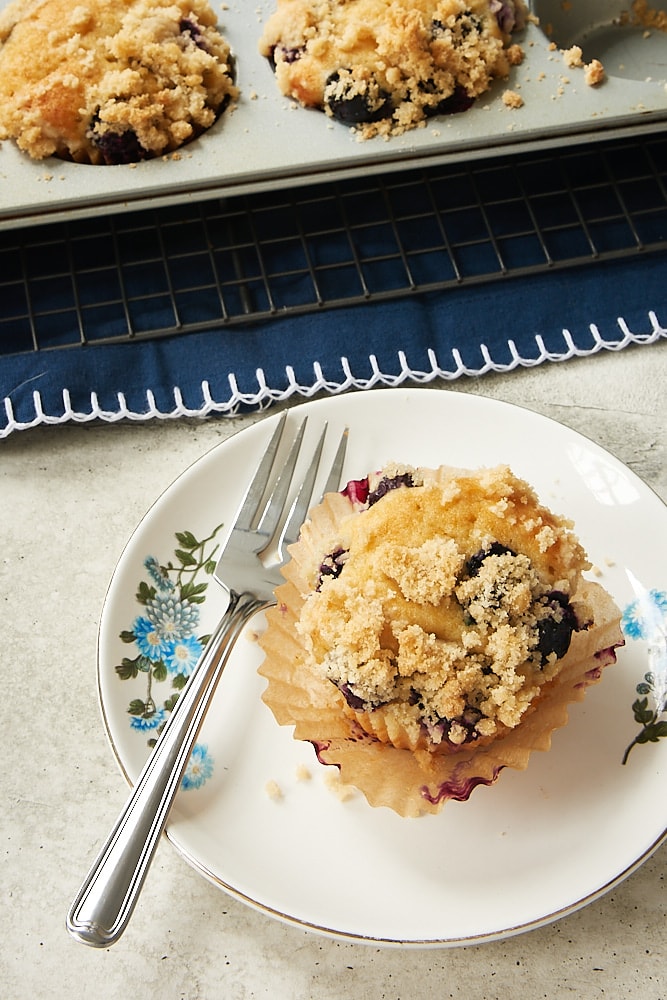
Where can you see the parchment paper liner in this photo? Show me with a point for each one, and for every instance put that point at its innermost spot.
(409, 782)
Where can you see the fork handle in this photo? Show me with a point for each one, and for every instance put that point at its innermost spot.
(104, 904)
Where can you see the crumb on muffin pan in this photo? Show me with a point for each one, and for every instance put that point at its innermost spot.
(571, 79)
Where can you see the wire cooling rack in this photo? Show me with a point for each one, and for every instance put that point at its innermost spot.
(229, 262)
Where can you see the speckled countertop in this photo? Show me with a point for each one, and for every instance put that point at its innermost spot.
(70, 497)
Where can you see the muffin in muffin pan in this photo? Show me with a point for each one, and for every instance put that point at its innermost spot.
(115, 81)
(386, 66)
(169, 76)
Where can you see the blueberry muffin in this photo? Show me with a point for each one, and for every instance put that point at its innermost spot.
(110, 81)
(440, 616)
(385, 66)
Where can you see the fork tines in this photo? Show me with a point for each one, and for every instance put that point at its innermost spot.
(303, 500)
(265, 518)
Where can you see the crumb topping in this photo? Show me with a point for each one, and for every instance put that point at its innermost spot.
(411, 568)
(594, 73)
(114, 83)
(512, 100)
(385, 66)
(452, 606)
(273, 790)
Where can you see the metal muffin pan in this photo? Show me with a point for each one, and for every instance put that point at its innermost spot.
(268, 142)
(628, 51)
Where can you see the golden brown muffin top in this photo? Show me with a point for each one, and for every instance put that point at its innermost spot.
(450, 595)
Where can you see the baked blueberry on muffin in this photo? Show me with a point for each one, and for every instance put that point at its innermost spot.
(384, 66)
(110, 81)
(441, 615)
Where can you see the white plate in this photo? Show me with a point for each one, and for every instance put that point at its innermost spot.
(536, 846)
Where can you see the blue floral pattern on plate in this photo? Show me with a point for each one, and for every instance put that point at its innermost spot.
(167, 643)
(646, 619)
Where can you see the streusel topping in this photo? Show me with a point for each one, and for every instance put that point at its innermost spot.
(449, 604)
(110, 81)
(385, 66)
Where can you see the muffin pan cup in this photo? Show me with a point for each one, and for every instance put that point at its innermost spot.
(267, 141)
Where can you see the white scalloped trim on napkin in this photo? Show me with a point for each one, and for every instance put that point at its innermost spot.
(265, 394)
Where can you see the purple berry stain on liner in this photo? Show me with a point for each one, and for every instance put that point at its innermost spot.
(459, 790)
(353, 700)
(605, 657)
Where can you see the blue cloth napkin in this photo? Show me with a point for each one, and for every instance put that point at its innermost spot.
(465, 331)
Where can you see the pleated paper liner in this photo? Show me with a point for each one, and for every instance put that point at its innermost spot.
(411, 783)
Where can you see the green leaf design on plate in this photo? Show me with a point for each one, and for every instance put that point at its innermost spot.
(646, 619)
(648, 717)
(186, 540)
(165, 630)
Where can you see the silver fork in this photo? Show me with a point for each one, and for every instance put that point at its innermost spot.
(104, 904)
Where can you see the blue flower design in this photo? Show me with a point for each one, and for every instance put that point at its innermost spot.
(645, 617)
(182, 655)
(199, 769)
(167, 642)
(172, 618)
(150, 642)
(158, 574)
(146, 723)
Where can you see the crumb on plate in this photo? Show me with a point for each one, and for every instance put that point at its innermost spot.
(273, 790)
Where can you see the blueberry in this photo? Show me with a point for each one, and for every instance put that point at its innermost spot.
(388, 483)
(117, 147)
(350, 106)
(467, 22)
(440, 729)
(457, 102)
(467, 720)
(193, 30)
(506, 16)
(353, 700)
(331, 566)
(470, 717)
(290, 55)
(555, 631)
(281, 53)
(464, 24)
(474, 564)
